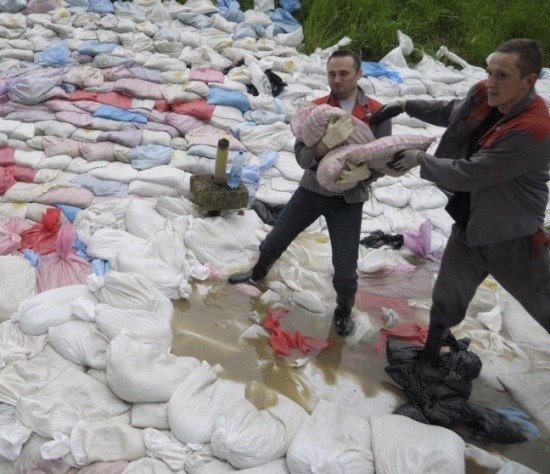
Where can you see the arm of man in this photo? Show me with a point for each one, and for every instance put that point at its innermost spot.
(512, 155)
(309, 157)
(434, 112)
(383, 130)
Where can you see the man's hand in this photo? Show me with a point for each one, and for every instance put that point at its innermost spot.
(339, 130)
(352, 173)
(388, 111)
(405, 160)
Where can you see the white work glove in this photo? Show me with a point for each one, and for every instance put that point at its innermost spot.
(338, 130)
(405, 160)
(352, 173)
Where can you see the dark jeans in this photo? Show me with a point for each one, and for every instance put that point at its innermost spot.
(344, 227)
(463, 268)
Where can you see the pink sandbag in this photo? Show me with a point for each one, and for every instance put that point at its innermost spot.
(138, 88)
(72, 196)
(10, 174)
(62, 267)
(196, 108)
(101, 151)
(315, 122)
(80, 120)
(41, 237)
(109, 98)
(10, 230)
(376, 154)
(409, 331)
(129, 137)
(54, 146)
(7, 156)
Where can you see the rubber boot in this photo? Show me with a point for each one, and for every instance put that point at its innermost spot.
(255, 274)
(342, 316)
(430, 354)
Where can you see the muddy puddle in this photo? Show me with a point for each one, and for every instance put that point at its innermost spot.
(210, 325)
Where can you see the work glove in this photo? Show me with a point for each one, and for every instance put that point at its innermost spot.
(388, 111)
(338, 130)
(405, 160)
(352, 173)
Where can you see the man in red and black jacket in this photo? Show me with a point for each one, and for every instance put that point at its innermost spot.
(493, 159)
(343, 212)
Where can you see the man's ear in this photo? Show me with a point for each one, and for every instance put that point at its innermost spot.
(531, 79)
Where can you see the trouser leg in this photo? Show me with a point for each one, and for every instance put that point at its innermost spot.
(344, 226)
(301, 210)
(461, 271)
(523, 273)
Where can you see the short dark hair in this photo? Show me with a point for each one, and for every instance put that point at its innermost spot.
(529, 51)
(342, 53)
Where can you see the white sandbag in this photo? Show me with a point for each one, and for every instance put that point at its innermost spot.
(531, 390)
(147, 465)
(161, 446)
(134, 370)
(198, 401)
(428, 197)
(276, 137)
(18, 279)
(106, 243)
(519, 324)
(172, 208)
(80, 342)
(149, 415)
(332, 439)
(147, 327)
(165, 175)
(105, 440)
(435, 449)
(248, 436)
(68, 398)
(14, 345)
(28, 376)
(107, 214)
(207, 239)
(394, 195)
(116, 171)
(49, 308)
(139, 258)
(142, 220)
(129, 290)
(146, 189)
(499, 355)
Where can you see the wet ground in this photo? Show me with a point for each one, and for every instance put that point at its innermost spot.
(210, 327)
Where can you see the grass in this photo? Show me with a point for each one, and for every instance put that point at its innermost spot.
(470, 28)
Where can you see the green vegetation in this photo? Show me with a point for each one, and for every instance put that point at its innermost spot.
(470, 28)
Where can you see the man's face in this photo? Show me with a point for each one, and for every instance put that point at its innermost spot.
(505, 85)
(342, 77)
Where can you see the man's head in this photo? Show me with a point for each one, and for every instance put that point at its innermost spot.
(513, 70)
(343, 71)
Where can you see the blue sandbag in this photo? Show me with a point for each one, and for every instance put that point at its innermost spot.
(31, 256)
(284, 21)
(230, 10)
(55, 55)
(94, 47)
(101, 6)
(79, 248)
(149, 156)
(69, 212)
(235, 99)
(527, 427)
(373, 69)
(116, 113)
(290, 5)
(100, 267)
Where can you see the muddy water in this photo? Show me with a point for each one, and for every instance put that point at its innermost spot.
(209, 327)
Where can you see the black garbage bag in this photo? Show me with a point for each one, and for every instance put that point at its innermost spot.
(439, 395)
(377, 239)
(267, 212)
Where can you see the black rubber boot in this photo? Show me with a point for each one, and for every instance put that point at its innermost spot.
(255, 274)
(430, 354)
(342, 316)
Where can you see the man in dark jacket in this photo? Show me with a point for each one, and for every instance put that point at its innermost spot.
(342, 211)
(494, 158)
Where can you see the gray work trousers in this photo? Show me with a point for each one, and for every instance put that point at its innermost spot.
(511, 264)
(344, 228)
